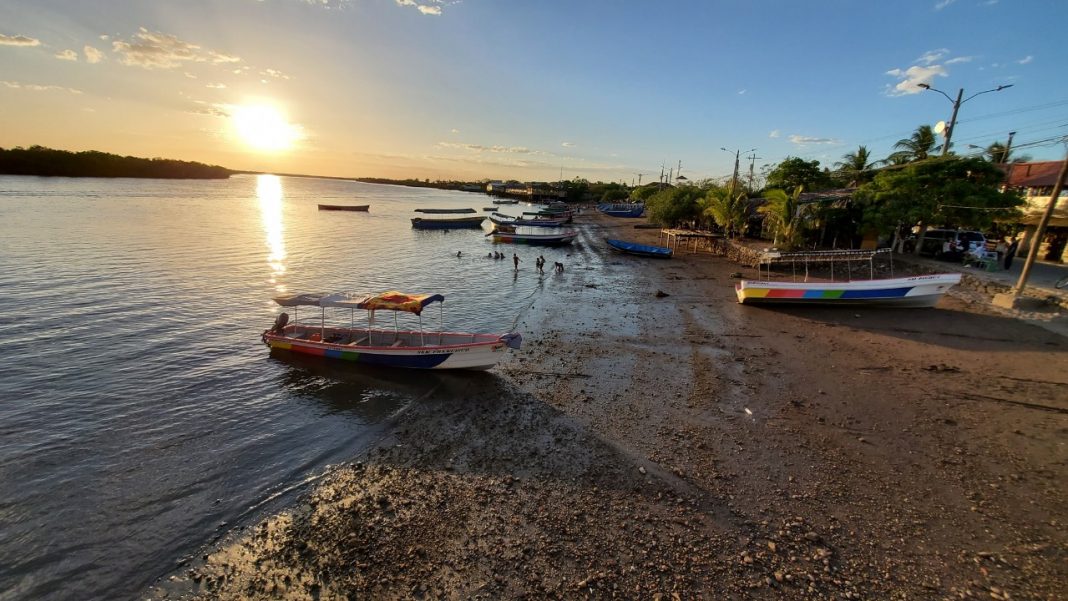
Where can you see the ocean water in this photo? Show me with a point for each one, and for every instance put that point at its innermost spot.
(141, 417)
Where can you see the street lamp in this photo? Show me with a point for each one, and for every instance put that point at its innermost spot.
(737, 153)
(956, 107)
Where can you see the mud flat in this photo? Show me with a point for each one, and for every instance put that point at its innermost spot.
(684, 446)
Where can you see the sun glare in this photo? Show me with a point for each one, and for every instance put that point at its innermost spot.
(264, 128)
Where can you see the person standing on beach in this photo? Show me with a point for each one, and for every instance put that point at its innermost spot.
(1009, 254)
(515, 260)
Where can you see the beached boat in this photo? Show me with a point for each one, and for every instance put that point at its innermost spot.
(642, 250)
(622, 210)
(505, 201)
(442, 211)
(508, 220)
(554, 239)
(488, 209)
(344, 207)
(421, 223)
(391, 348)
(914, 291)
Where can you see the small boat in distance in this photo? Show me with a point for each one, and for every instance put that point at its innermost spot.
(445, 211)
(421, 223)
(641, 250)
(323, 207)
(415, 349)
(505, 201)
(487, 209)
(556, 239)
(622, 210)
(508, 220)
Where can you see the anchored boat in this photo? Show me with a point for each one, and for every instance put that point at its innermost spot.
(415, 349)
(421, 223)
(555, 239)
(508, 220)
(343, 207)
(622, 210)
(641, 250)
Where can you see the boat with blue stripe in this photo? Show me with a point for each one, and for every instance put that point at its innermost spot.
(641, 250)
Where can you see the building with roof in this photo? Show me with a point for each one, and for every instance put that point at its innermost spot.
(1035, 181)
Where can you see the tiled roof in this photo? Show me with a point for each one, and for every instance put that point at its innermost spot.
(1028, 175)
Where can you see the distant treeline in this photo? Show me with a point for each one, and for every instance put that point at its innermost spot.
(38, 160)
(422, 183)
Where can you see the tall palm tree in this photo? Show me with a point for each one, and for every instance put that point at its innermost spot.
(729, 209)
(917, 147)
(997, 153)
(784, 212)
(855, 167)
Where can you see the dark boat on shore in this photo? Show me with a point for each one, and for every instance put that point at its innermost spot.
(364, 208)
(622, 209)
(641, 250)
(421, 223)
(443, 211)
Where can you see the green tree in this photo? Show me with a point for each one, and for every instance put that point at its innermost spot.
(855, 168)
(615, 195)
(917, 147)
(997, 153)
(785, 215)
(671, 206)
(729, 209)
(642, 193)
(794, 172)
(950, 191)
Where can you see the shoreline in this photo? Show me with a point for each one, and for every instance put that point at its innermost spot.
(687, 445)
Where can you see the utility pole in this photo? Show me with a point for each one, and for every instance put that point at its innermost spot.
(1010, 299)
(737, 155)
(1008, 147)
(678, 172)
(639, 180)
(956, 107)
(752, 161)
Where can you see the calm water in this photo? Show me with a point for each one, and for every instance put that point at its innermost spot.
(140, 415)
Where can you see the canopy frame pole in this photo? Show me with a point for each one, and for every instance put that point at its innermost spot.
(370, 327)
(441, 324)
(422, 342)
(322, 325)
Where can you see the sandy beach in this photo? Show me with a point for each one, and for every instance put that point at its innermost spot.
(682, 446)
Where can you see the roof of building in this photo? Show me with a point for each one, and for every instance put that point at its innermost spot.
(1032, 175)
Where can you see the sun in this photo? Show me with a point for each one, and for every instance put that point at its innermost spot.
(263, 127)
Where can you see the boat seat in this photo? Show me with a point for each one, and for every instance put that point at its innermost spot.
(396, 343)
(358, 342)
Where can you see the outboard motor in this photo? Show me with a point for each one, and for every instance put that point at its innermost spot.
(280, 324)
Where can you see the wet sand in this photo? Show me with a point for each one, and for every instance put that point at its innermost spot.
(684, 446)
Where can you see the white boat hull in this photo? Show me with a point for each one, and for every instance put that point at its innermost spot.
(915, 291)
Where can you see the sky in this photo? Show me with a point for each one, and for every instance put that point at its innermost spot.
(607, 90)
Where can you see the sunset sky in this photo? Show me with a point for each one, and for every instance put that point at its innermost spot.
(471, 89)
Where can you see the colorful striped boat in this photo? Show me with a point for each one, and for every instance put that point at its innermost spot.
(421, 223)
(413, 349)
(915, 291)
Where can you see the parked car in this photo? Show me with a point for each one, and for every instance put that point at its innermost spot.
(934, 243)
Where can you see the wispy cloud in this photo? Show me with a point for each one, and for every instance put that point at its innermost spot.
(454, 131)
(92, 55)
(742, 91)
(212, 109)
(275, 73)
(1025, 60)
(809, 140)
(774, 133)
(960, 59)
(482, 148)
(38, 88)
(157, 50)
(912, 77)
(567, 144)
(18, 40)
(67, 55)
(932, 56)
(943, 3)
(216, 86)
(427, 7)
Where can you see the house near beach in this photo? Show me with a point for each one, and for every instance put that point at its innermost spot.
(1035, 183)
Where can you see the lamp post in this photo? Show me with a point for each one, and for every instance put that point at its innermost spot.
(737, 153)
(956, 107)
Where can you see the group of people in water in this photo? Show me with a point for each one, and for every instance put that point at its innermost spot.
(539, 263)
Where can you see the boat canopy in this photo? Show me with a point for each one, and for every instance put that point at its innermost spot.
(389, 301)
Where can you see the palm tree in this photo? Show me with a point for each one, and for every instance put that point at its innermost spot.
(855, 167)
(997, 153)
(784, 212)
(917, 147)
(728, 209)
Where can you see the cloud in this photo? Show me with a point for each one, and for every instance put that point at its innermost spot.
(943, 3)
(1025, 60)
(216, 86)
(567, 144)
(38, 88)
(774, 133)
(67, 55)
(960, 59)
(495, 148)
(806, 140)
(427, 7)
(932, 56)
(212, 109)
(156, 50)
(742, 91)
(18, 40)
(92, 55)
(275, 73)
(454, 131)
(912, 77)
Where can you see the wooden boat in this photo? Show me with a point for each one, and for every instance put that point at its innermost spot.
(506, 201)
(441, 211)
(508, 220)
(641, 250)
(622, 210)
(488, 209)
(390, 348)
(323, 207)
(562, 217)
(914, 291)
(421, 223)
(555, 239)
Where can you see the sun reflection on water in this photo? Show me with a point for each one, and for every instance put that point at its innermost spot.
(269, 192)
